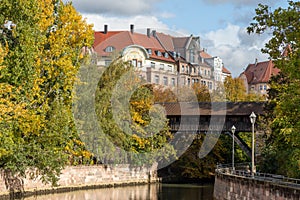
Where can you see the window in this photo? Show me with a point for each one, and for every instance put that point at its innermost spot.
(107, 62)
(156, 79)
(173, 81)
(265, 87)
(205, 72)
(260, 87)
(158, 53)
(139, 64)
(182, 68)
(161, 66)
(134, 62)
(189, 81)
(210, 85)
(109, 49)
(187, 69)
(208, 71)
(166, 55)
(165, 80)
(192, 55)
(152, 64)
(169, 68)
(149, 51)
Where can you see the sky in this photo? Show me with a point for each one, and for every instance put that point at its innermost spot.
(221, 24)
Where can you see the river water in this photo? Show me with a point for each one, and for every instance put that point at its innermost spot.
(156, 191)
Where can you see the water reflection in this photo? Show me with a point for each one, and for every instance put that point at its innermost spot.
(142, 192)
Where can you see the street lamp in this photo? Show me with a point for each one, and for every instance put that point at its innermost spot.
(252, 120)
(233, 131)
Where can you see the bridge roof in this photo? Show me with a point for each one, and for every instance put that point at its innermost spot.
(213, 108)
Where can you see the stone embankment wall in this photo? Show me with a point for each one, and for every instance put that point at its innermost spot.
(230, 187)
(80, 177)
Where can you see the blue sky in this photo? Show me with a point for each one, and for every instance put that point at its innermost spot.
(219, 23)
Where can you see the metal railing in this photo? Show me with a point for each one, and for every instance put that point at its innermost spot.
(243, 170)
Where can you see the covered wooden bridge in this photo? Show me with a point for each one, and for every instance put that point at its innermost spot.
(214, 117)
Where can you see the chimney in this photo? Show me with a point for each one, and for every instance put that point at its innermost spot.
(154, 33)
(255, 62)
(105, 28)
(132, 28)
(148, 32)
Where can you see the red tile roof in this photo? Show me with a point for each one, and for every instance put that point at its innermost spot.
(204, 54)
(101, 36)
(260, 72)
(166, 40)
(225, 70)
(120, 40)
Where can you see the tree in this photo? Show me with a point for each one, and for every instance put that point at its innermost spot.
(202, 92)
(164, 94)
(282, 114)
(234, 89)
(134, 128)
(41, 51)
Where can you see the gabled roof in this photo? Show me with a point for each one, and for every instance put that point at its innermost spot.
(166, 41)
(260, 72)
(204, 54)
(225, 70)
(120, 40)
(180, 42)
(101, 36)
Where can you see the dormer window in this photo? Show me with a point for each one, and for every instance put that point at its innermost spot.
(158, 53)
(109, 49)
(166, 55)
(149, 51)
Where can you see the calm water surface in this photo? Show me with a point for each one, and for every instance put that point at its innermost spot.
(143, 192)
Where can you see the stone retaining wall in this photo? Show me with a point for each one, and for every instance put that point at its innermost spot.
(73, 177)
(230, 187)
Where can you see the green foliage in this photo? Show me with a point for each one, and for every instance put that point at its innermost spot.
(190, 166)
(281, 154)
(128, 120)
(40, 47)
(235, 91)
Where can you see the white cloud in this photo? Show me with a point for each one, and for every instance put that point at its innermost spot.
(140, 22)
(120, 8)
(229, 35)
(235, 47)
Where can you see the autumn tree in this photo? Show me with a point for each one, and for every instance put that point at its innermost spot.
(135, 128)
(235, 89)
(41, 44)
(282, 152)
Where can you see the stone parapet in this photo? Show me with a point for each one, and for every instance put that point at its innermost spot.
(232, 187)
(76, 177)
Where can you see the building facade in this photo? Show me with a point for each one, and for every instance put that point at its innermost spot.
(257, 75)
(159, 58)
